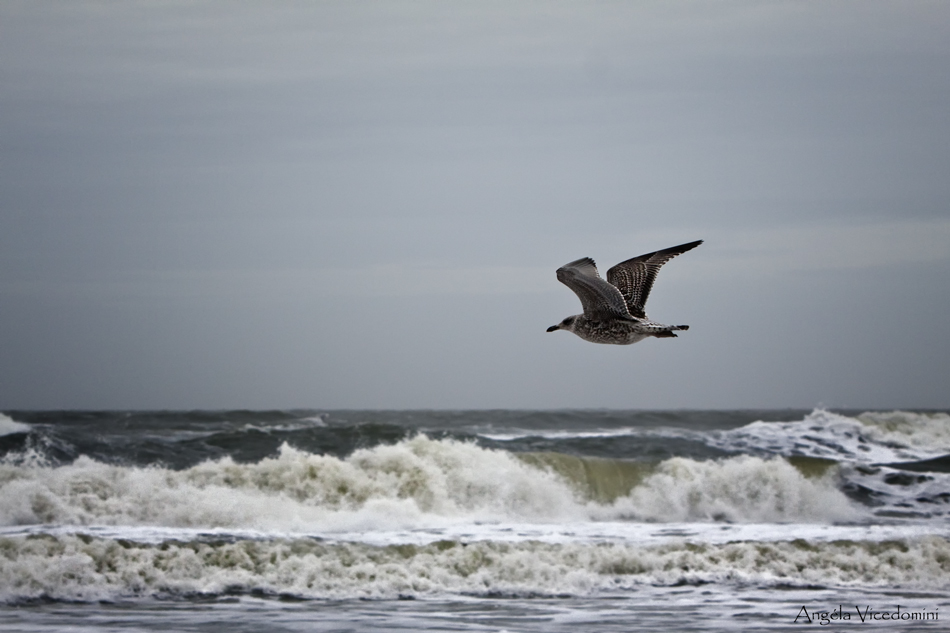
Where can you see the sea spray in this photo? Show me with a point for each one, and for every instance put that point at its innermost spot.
(415, 482)
(9, 426)
(742, 489)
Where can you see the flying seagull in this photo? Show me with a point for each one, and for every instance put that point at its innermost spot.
(613, 309)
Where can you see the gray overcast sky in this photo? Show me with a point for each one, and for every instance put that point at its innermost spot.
(362, 204)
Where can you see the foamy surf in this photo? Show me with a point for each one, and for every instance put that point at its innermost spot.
(80, 567)
(347, 505)
(875, 437)
(414, 483)
(589, 532)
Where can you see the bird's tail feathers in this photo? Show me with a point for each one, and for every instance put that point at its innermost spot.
(668, 333)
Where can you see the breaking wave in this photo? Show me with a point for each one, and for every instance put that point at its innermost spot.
(415, 482)
(870, 437)
(9, 426)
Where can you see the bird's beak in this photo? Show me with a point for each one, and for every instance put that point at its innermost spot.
(554, 327)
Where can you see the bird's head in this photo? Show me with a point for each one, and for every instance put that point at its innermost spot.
(566, 324)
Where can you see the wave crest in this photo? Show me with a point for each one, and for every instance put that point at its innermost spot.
(415, 483)
(929, 432)
(738, 489)
(8, 426)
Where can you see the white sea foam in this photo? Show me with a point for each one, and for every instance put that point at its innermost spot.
(8, 425)
(78, 567)
(871, 438)
(744, 489)
(416, 483)
(927, 434)
(590, 532)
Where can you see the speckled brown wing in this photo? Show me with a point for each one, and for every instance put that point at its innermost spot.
(634, 278)
(601, 300)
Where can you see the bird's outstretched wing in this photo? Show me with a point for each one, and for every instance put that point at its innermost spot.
(601, 300)
(634, 278)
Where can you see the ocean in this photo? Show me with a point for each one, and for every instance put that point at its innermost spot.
(495, 520)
